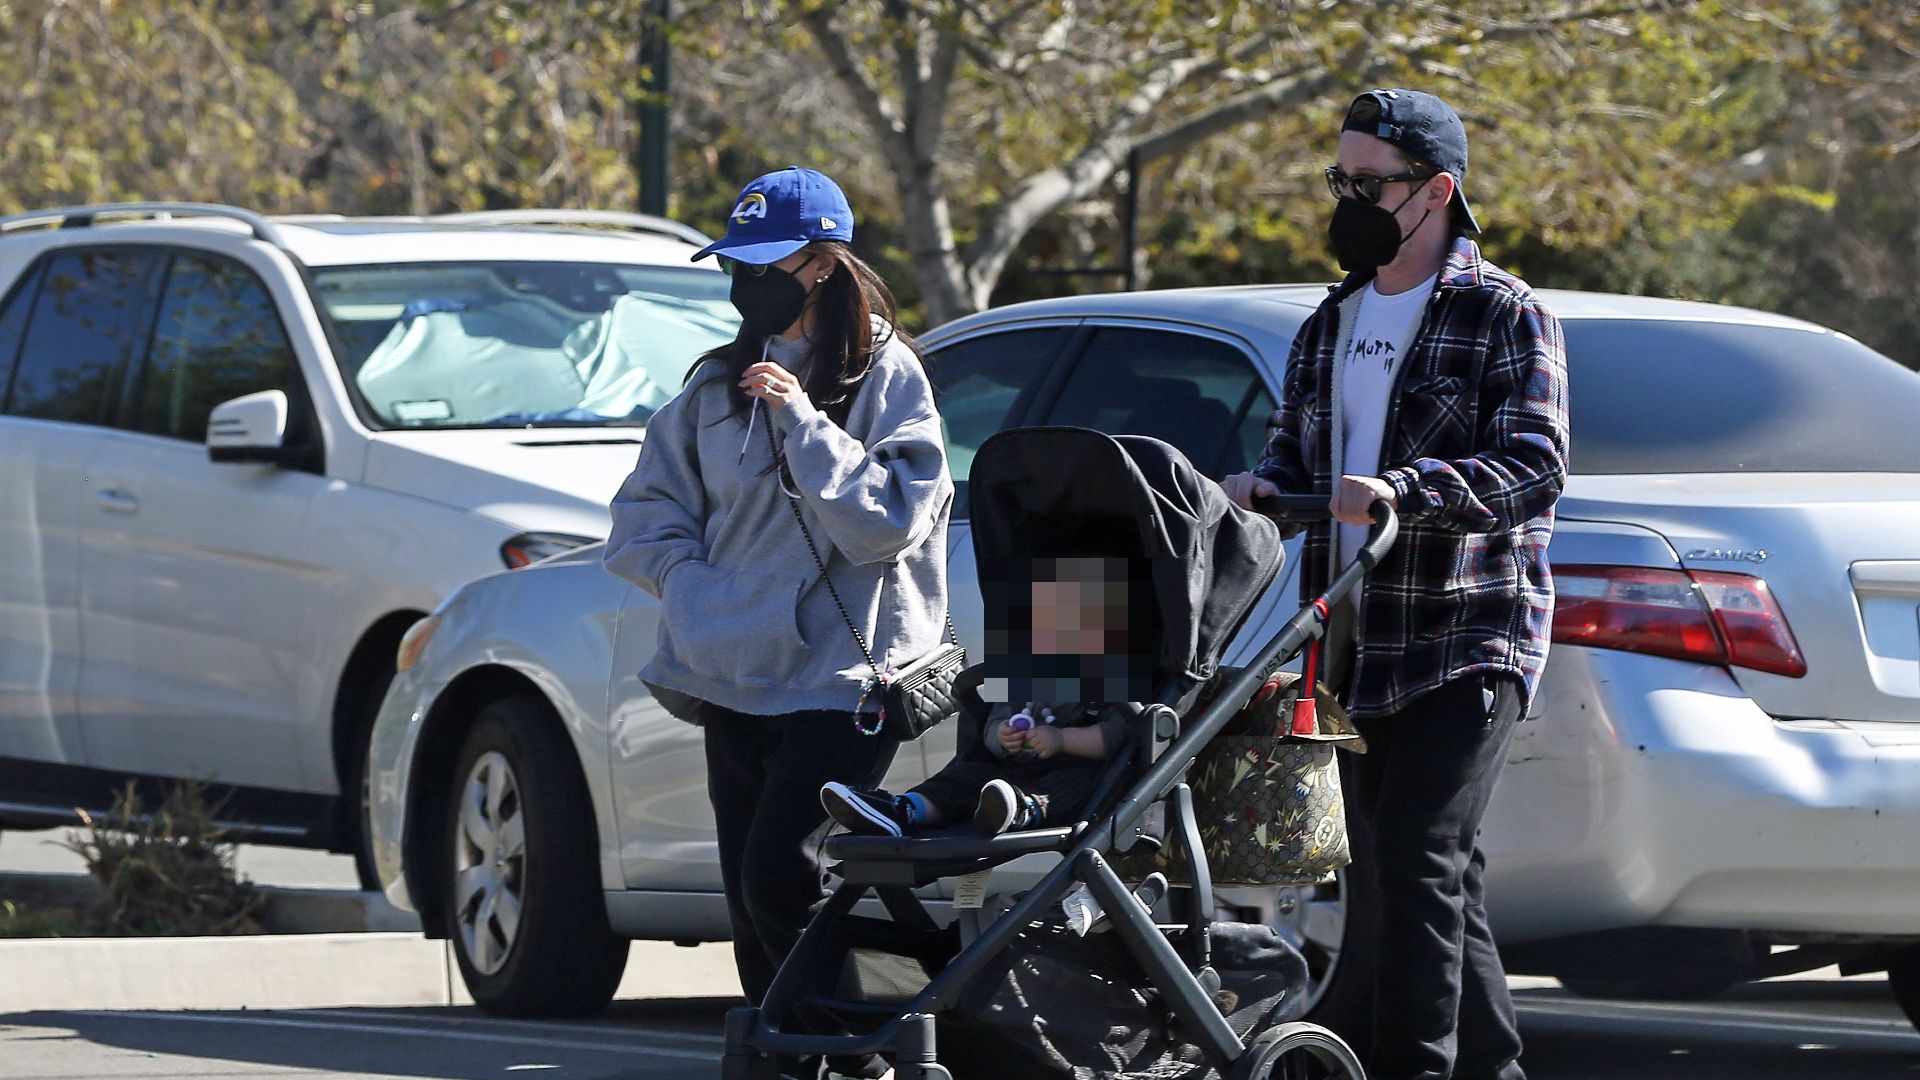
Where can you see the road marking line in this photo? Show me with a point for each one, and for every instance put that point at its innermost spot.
(518, 1025)
(384, 1029)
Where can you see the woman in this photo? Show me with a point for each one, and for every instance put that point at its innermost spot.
(820, 405)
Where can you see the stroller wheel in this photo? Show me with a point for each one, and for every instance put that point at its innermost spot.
(1298, 1052)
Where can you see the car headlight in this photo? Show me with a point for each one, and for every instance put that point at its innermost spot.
(414, 642)
(529, 548)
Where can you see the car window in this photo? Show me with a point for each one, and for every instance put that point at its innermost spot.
(13, 324)
(521, 344)
(1648, 396)
(218, 337)
(1200, 394)
(978, 382)
(90, 313)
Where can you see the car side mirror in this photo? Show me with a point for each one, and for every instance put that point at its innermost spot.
(249, 430)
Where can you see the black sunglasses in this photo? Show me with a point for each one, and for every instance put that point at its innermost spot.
(730, 267)
(1366, 188)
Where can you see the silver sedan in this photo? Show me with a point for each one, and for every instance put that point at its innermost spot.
(1722, 780)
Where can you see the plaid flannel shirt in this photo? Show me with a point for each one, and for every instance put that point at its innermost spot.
(1476, 451)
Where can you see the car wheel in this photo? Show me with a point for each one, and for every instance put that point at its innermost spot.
(1903, 978)
(1322, 924)
(358, 787)
(1336, 937)
(356, 779)
(524, 908)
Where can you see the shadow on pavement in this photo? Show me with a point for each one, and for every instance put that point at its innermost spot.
(1783, 1030)
(639, 1040)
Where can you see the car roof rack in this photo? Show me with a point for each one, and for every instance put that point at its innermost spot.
(643, 223)
(81, 217)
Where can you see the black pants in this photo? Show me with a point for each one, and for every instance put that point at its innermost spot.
(1441, 1007)
(763, 776)
(1062, 787)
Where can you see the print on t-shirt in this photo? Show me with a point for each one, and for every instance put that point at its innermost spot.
(1374, 346)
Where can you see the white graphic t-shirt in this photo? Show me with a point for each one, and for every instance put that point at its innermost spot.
(1383, 334)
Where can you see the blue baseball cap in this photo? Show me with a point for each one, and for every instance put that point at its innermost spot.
(780, 213)
(1425, 129)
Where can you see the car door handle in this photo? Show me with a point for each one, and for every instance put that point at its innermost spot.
(117, 501)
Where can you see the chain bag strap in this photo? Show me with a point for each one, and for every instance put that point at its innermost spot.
(918, 696)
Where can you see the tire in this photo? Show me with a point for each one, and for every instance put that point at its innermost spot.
(1903, 978)
(1340, 995)
(1656, 964)
(358, 814)
(356, 779)
(520, 870)
(1298, 1052)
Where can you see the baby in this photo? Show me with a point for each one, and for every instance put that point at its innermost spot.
(1060, 630)
(1034, 768)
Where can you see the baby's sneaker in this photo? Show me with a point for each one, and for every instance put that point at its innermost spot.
(866, 812)
(1003, 808)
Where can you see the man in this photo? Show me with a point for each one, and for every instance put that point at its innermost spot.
(1435, 382)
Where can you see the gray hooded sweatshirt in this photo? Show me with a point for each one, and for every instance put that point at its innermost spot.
(702, 524)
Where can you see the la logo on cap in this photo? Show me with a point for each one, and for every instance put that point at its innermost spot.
(753, 206)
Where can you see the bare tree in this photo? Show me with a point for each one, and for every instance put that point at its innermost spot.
(1127, 77)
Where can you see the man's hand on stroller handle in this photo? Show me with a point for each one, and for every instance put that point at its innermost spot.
(1354, 496)
(1352, 503)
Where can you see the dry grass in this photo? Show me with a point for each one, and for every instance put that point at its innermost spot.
(167, 872)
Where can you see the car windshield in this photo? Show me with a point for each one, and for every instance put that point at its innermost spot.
(521, 344)
(1652, 396)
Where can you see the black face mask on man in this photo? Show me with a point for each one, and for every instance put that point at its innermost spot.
(768, 302)
(1366, 236)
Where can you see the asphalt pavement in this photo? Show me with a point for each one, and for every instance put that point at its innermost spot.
(1805, 1029)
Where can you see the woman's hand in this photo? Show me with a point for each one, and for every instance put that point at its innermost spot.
(772, 384)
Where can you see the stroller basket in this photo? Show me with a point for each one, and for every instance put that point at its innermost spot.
(1034, 490)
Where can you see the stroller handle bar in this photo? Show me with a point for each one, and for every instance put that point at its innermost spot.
(1305, 626)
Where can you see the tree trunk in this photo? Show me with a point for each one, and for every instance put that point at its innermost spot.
(936, 262)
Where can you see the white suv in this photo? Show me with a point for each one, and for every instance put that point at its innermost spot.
(240, 456)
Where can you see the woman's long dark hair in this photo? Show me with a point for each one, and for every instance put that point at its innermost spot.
(842, 342)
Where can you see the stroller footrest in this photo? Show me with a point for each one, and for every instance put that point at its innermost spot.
(947, 847)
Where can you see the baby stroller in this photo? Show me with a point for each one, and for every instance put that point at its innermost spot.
(1066, 492)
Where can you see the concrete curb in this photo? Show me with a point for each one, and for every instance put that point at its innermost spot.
(295, 971)
(325, 948)
(288, 911)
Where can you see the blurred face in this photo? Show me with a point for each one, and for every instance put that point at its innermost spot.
(1078, 616)
(1069, 630)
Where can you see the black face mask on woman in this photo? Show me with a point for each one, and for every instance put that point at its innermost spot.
(769, 301)
(1367, 236)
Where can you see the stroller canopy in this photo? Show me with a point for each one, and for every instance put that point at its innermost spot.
(1063, 492)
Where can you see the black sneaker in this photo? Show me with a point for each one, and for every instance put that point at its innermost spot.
(1002, 808)
(868, 813)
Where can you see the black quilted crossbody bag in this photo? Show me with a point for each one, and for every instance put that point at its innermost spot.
(913, 699)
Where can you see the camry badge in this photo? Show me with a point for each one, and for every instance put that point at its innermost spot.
(1755, 555)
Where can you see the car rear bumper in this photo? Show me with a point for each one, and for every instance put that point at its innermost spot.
(1653, 792)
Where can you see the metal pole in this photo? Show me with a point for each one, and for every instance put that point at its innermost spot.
(650, 163)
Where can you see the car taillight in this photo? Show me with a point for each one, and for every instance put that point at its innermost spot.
(1730, 620)
(529, 548)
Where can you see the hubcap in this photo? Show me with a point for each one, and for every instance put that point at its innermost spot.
(1311, 918)
(489, 863)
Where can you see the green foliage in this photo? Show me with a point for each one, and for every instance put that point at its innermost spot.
(16, 922)
(1754, 151)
